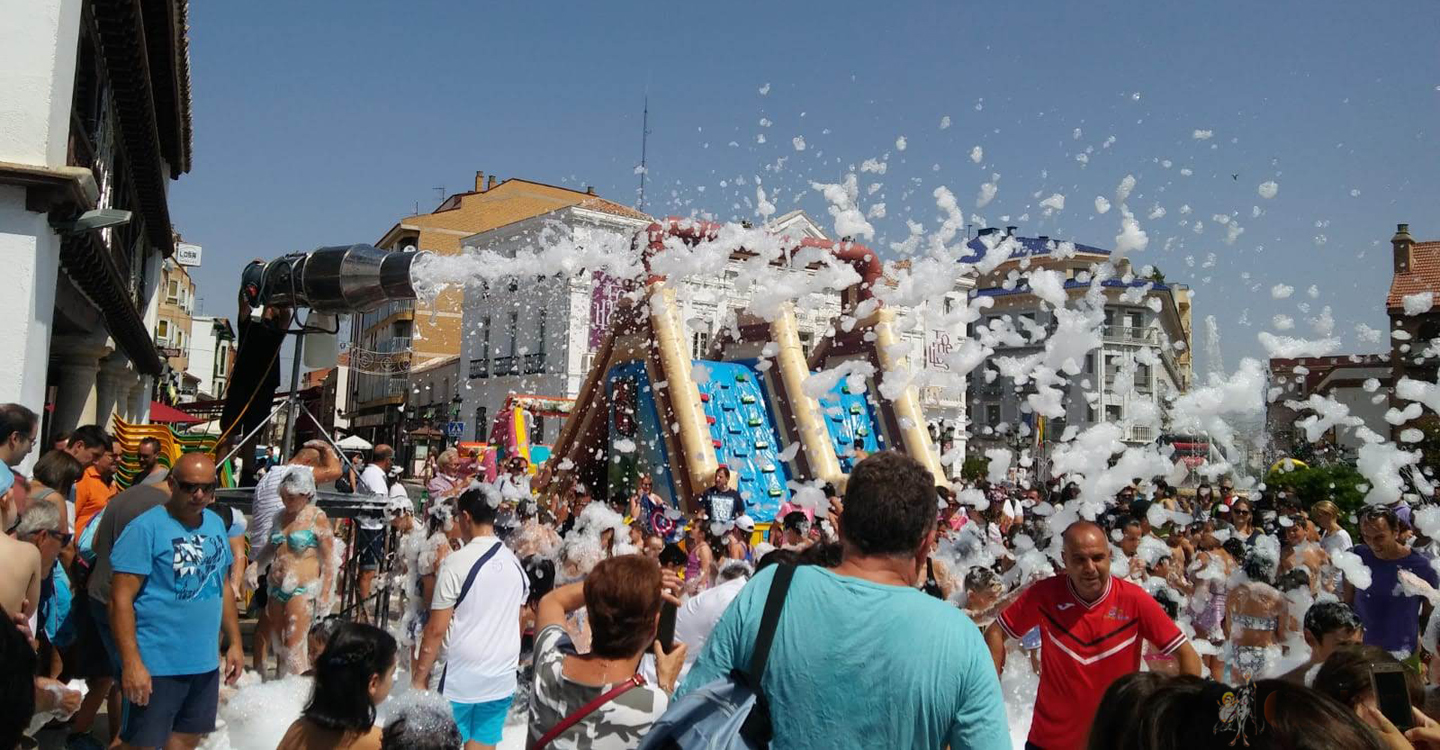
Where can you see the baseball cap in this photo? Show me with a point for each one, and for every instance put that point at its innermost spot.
(745, 523)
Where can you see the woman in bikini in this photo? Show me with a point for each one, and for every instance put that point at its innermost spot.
(1255, 618)
(301, 557)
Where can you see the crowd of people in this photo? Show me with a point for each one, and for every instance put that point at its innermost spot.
(889, 615)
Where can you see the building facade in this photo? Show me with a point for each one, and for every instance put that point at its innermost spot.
(402, 336)
(1362, 382)
(95, 101)
(1413, 331)
(538, 336)
(173, 335)
(1146, 334)
(211, 355)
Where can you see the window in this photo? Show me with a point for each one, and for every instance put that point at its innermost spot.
(514, 330)
(540, 331)
(162, 331)
(1112, 413)
(444, 394)
(485, 338)
(539, 437)
(481, 425)
(992, 414)
(1142, 377)
(172, 291)
(1089, 413)
(1090, 363)
(699, 344)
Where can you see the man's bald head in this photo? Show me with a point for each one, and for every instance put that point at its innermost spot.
(1087, 559)
(1081, 532)
(194, 468)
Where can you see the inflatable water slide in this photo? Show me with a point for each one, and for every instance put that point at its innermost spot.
(647, 406)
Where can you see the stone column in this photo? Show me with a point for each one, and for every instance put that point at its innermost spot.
(113, 384)
(140, 401)
(77, 365)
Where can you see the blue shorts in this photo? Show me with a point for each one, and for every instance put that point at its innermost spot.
(482, 722)
(182, 704)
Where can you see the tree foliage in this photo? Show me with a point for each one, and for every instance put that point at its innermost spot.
(1337, 482)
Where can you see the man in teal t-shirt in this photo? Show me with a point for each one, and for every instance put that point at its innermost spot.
(861, 657)
(169, 596)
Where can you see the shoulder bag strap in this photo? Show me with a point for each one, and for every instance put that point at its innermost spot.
(769, 620)
(465, 589)
(757, 726)
(587, 709)
(475, 571)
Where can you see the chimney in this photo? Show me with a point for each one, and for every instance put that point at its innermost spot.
(491, 184)
(1010, 231)
(1403, 244)
(589, 189)
(479, 182)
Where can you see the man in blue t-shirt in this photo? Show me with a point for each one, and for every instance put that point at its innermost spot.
(861, 657)
(169, 596)
(1391, 617)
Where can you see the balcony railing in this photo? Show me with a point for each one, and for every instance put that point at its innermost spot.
(1142, 434)
(1132, 334)
(479, 368)
(535, 363)
(506, 366)
(394, 344)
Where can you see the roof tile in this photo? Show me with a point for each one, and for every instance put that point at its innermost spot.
(1424, 275)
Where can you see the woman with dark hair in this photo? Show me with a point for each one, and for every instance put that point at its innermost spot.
(55, 474)
(352, 677)
(1242, 520)
(1118, 709)
(1185, 713)
(622, 598)
(1345, 676)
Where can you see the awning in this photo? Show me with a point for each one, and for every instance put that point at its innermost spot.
(161, 413)
(355, 443)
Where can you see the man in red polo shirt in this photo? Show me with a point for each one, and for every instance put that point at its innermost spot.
(1093, 627)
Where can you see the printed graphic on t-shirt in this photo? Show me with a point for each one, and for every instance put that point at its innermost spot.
(196, 558)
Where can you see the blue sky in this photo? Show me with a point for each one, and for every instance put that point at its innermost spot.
(323, 123)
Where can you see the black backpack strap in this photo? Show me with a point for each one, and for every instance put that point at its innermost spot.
(757, 725)
(465, 589)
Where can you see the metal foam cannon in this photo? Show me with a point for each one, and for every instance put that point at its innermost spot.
(341, 279)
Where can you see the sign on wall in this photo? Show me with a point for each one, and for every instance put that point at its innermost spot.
(187, 254)
(603, 296)
(938, 349)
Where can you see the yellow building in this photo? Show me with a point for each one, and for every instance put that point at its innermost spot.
(402, 336)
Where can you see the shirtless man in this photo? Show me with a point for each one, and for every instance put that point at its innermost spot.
(20, 576)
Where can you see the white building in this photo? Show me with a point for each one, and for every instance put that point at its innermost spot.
(79, 307)
(212, 352)
(1146, 334)
(537, 336)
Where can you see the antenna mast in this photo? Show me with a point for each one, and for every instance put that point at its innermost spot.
(644, 140)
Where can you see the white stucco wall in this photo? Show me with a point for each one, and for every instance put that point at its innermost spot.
(38, 41)
(32, 262)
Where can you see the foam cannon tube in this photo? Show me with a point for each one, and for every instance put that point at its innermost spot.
(341, 279)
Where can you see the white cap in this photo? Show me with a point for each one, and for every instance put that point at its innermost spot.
(745, 523)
